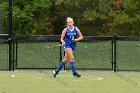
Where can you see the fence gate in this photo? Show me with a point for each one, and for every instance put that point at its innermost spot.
(31, 53)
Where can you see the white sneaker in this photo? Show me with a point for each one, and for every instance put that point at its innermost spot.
(54, 74)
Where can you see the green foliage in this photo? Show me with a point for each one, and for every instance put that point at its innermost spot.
(118, 20)
(93, 17)
(27, 15)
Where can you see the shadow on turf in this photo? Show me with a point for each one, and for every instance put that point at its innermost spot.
(127, 79)
(3, 92)
(60, 81)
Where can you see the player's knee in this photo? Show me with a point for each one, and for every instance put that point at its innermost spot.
(71, 59)
(65, 60)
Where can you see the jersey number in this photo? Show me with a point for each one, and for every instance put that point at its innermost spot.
(72, 37)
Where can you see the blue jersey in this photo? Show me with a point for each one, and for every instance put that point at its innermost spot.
(70, 35)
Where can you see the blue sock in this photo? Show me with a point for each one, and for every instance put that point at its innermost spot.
(59, 67)
(72, 65)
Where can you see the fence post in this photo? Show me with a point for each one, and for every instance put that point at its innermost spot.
(13, 53)
(60, 53)
(114, 53)
(16, 52)
(10, 36)
(64, 64)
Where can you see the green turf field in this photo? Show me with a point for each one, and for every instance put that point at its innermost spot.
(90, 82)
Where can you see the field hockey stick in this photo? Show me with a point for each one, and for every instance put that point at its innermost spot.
(54, 46)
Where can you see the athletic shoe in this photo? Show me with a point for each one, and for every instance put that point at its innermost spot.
(54, 74)
(76, 75)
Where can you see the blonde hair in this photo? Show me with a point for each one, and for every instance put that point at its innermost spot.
(69, 19)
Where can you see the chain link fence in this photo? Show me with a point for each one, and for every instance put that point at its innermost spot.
(4, 52)
(128, 52)
(31, 52)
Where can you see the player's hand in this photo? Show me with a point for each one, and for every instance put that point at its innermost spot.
(74, 41)
(63, 43)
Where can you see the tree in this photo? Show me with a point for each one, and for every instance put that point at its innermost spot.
(29, 16)
(93, 17)
(122, 17)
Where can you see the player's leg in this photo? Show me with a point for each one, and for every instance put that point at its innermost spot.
(60, 66)
(66, 58)
(69, 53)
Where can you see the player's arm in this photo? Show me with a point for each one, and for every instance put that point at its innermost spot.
(79, 34)
(62, 36)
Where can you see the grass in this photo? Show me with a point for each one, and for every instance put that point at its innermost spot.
(43, 82)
